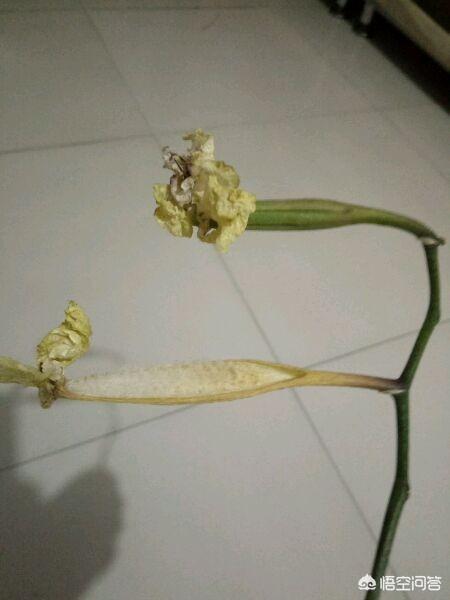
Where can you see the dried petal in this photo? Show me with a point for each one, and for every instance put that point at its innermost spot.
(229, 210)
(201, 142)
(169, 214)
(64, 344)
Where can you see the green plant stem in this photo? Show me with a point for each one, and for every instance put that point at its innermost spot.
(308, 214)
(431, 319)
(399, 494)
(311, 214)
(400, 489)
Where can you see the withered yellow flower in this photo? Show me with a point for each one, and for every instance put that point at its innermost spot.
(182, 383)
(68, 341)
(61, 347)
(203, 192)
(58, 349)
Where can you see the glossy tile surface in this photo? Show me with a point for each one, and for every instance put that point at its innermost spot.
(59, 85)
(253, 67)
(428, 131)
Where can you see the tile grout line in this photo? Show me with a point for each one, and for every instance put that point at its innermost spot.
(93, 439)
(93, 142)
(308, 417)
(155, 135)
(119, 73)
(394, 338)
(302, 407)
(315, 430)
(81, 8)
(188, 407)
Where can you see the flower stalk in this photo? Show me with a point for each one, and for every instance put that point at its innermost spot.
(401, 488)
(207, 382)
(311, 214)
(399, 493)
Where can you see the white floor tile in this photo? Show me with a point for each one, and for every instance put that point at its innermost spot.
(218, 502)
(77, 224)
(231, 66)
(321, 294)
(428, 129)
(359, 430)
(361, 63)
(59, 85)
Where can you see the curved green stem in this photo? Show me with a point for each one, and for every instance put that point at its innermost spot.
(313, 214)
(431, 319)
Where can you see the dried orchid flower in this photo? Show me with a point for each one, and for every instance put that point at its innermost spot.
(178, 383)
(202, 192)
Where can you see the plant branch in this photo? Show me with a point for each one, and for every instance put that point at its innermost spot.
(308, 214)
(400, 489)
(431, 319)
(322, 214)
(399, 494)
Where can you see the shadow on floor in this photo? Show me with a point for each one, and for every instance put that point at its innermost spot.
(409, 58)
(426, 73)
(53, 548)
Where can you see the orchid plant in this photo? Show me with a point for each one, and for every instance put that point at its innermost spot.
(204, 193)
